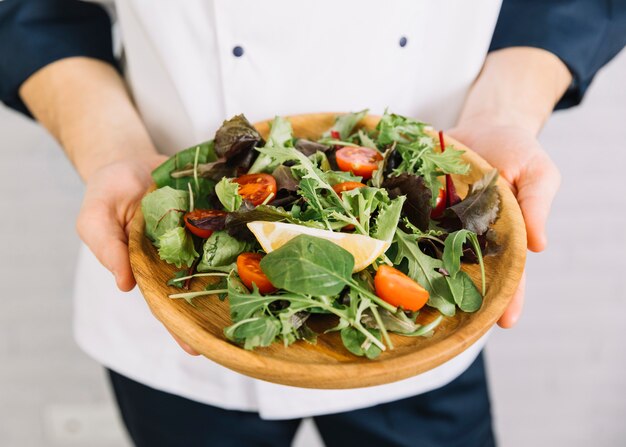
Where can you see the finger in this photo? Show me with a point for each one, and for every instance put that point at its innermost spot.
(512, 313)
(104, 236)
(185, 347)
(536, 189)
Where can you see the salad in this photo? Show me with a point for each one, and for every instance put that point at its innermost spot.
(362, 225)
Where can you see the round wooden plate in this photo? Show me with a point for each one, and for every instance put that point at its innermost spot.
(328, 364)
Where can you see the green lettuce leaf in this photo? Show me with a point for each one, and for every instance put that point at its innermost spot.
(163, 210)
(176, 247)
(227, 193)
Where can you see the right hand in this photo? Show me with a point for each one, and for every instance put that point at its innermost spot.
(112, 195)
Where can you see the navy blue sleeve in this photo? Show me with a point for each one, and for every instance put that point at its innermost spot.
(584, 34)
(35, 33)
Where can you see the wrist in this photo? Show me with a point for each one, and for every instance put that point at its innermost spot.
(517, 87)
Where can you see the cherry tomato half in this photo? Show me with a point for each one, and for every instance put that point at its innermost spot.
(361, 161)
(255, 188)
(249, 269)
(398, 289)
(347, 186)
(202, 214)
(440, 206)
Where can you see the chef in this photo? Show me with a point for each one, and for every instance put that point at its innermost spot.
(166, 74)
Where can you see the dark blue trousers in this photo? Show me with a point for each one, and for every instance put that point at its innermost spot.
(457, 415)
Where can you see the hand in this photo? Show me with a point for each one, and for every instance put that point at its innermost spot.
(531, 174)
(111, 198)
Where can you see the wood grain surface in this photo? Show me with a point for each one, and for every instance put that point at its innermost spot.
(328, 364)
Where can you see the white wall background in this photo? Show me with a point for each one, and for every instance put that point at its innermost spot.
(558, 378)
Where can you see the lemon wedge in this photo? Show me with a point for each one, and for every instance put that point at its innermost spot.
(273, 235)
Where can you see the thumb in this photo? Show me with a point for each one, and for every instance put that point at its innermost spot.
(106, 238)
(536, 187)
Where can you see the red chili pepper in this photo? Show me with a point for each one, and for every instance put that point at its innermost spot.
(335, 134)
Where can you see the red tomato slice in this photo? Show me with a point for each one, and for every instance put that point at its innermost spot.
(249, 269)
(347, 186)
(361, 161)
(255, 188)
(398, 289)
(202, 214)
(440, 206)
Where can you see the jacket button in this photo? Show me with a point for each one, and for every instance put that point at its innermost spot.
(238, 51)
(403, 41)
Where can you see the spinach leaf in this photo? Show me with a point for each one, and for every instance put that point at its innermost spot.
(183, 159)
(309, 265)
(480, 207)
(163, 210)
(227, 193)
(176, 247)
(221, 249)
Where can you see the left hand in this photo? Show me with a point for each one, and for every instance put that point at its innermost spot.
(531, 174)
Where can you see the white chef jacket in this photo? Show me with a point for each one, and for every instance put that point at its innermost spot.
(191, 64)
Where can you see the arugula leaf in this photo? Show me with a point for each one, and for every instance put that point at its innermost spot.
(480, 207)
(177, 275)
(356, 342)
(163, 210)
(176, 247)
(221, 249)
(344, 124)
(280, 137)
(453, 252)
(397, 322)
(435, 164)
(309, 265)
(400, 129)
(227, 193)
(425, 270)
(387, 219)
(254, 332)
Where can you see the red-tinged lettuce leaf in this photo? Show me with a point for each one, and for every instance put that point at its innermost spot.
(214, 222)
(417, 207)
(235, 140)
(236, 222)
(308, 147)
(478, 210)
(285, 179)
(215, 170)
